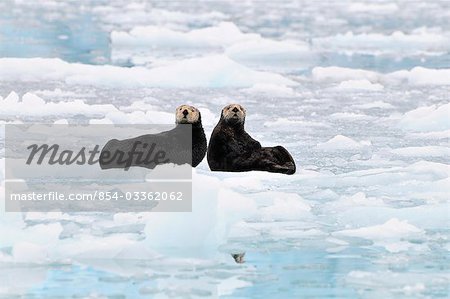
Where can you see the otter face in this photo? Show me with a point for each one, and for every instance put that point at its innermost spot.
(186, 114)
(234, 113)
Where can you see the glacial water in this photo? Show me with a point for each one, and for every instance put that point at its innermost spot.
(358, 92)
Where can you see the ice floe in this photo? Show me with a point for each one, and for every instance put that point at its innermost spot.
(428, 118)
(151, 37)
(341, 142)
(374, 104)
(271, 90)
(373, 7)
(140, 43)
(415, 76)
(390, 235)
(359, 85)
(422, 151)
(213, 71)
(419, 41)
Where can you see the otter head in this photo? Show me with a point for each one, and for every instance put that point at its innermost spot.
(186, 114)
(233, 114)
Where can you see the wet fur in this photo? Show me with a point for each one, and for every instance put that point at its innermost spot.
(232, 149)
(171, 142)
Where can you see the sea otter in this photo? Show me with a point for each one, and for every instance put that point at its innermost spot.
(231, 148)
(166, 147)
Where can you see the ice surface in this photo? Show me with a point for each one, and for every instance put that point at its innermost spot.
(359, 84)
(213, 71)
(415, 76)
(373, 7)
(357, 92)
(340, 142)
(430, 118)
(222, 35)
(419, 41)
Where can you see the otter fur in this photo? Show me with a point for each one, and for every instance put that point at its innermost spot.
(232, 149)
(164, 147)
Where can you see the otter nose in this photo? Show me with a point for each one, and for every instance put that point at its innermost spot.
(235, 110)
(185, 112)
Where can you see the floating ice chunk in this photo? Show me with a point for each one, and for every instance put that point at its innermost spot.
(357, 200)
(243, 183)
(32, 105)
(214, 212)
(208, 117)
(374, 104)
(430, 118)
(265, 50)
(214, 71)
(416, 76)
(373, 7)
(418, 42)
(229, 285)
(62, 121)
(286, 207)
(102, 121)
(422, 151)
(420, 76)
(339, 74)
(136, 117)
(271, 90)
(284, 123)
(138, 106)
(432, 135)
(130, 15)
(392, 228)
(222, 35)
(341, 142)
(350, 116)
(363, 84)
(241, 47)
(424, 76)
(387, 235)
(26, 252)
(408, 284)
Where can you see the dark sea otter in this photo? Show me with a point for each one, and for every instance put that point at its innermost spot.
(231, 148)
(165, 147)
